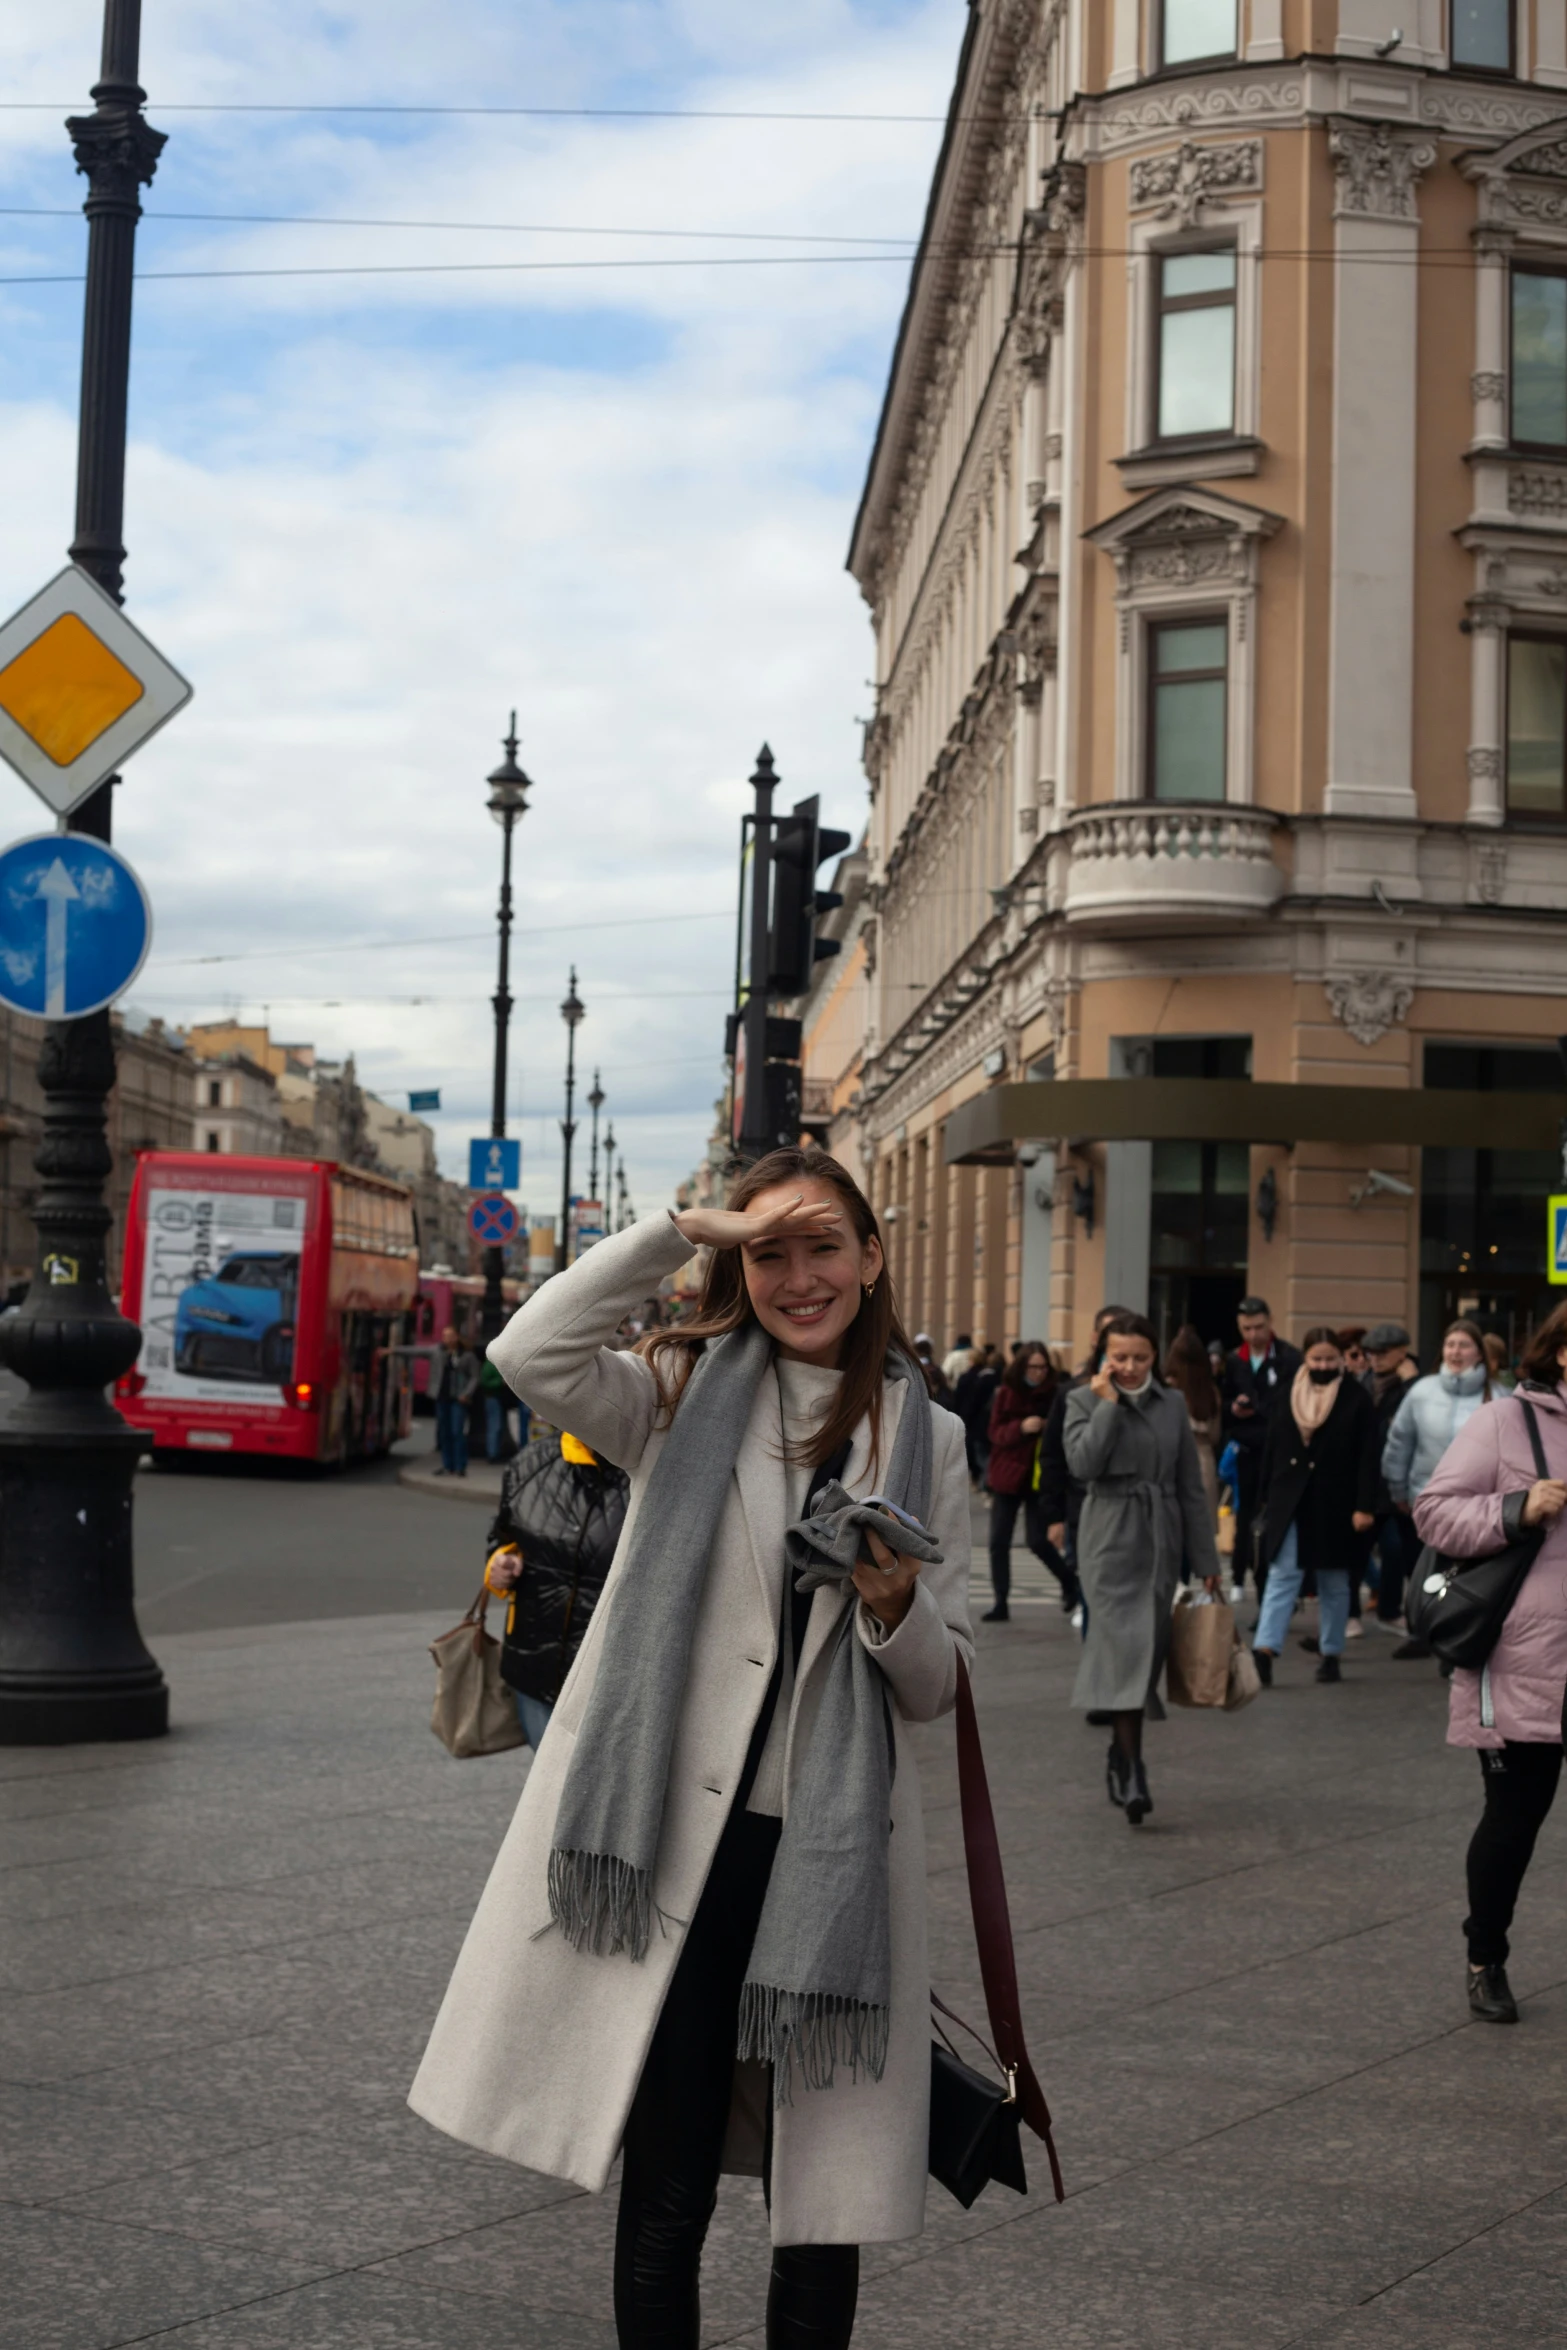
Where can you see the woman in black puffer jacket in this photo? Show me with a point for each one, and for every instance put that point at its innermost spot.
(550, 1548)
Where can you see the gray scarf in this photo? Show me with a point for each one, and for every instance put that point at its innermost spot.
(818, 1988)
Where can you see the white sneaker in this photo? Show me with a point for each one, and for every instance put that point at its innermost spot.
(1076, 1619)
(1352, 1630)
(1237, 1594)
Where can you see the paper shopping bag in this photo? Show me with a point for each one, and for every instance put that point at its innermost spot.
(1202, 1634)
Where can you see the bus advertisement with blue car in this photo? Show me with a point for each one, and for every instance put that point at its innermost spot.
(274, 1298)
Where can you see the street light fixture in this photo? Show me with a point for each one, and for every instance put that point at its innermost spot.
(571, 1011)
(509, 789)
(595, 1104)
(73, 1664)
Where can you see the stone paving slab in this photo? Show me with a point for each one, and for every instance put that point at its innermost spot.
(221, 1954)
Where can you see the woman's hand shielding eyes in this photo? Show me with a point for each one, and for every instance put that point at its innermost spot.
(733, 1227)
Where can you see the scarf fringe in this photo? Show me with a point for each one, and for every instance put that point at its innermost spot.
(814, 2030)
(600, 1903)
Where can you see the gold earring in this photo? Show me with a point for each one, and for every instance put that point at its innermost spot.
(870, 1291)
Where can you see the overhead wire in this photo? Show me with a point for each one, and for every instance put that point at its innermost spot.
(526, 930)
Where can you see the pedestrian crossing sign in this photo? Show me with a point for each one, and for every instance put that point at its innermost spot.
(1556, 1241)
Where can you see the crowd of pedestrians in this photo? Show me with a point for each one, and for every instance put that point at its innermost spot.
(1331, 1466)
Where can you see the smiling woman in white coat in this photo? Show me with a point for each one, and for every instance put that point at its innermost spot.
(703, 1942)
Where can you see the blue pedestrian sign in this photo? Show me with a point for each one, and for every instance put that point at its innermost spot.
(493, 1220)
(1556, 1242)
(494, 1164)
(75, 925)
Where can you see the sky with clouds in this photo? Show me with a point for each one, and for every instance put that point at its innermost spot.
(368, 513)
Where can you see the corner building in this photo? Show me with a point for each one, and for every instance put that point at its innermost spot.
(1215, 539)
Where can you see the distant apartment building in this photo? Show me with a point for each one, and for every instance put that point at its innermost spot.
(1215, 540)
(150, 1108)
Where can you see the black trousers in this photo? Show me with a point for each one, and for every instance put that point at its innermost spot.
(1520, 1787)
(675, 2135)
(1004, 1508)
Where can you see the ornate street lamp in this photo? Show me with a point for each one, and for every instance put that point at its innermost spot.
(509, 788)
(595, 1104)
(73, 1664)
(571, 1012)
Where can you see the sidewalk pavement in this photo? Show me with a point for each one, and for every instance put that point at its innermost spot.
(222, 1952)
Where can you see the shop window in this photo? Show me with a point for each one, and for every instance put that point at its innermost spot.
(1194, 370)
(1482, 35)
(1188, 697)
(1199, 1226)
(214, 1142)
(1539, 358)
(1537, 726)
(1192, 31)
(1482, 1213)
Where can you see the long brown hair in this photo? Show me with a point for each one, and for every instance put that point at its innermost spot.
(725, 1304)
(1187, 1368)
(1538, 1364)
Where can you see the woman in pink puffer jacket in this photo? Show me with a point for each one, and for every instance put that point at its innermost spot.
(1486, 1487)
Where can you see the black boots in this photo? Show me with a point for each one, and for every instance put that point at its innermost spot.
(1139, 1803)
(1328, 1670)
(1490, 1995)
(1118, 1775)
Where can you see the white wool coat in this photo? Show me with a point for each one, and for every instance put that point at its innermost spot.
(538, 2048)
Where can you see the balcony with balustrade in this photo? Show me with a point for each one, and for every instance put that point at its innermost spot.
(1135, 863)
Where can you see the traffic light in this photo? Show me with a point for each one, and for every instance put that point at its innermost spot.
(800, 844)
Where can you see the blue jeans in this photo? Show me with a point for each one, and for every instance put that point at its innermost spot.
(534, 1715)
(494, 1425)
(1285, 1577)
(451, 1434)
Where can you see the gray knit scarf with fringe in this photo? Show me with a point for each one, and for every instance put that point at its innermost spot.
(818, 1988)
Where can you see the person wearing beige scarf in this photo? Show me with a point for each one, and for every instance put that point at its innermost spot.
(1319, 1476)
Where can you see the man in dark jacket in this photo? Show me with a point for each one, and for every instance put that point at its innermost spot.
(456, 1385)
(1257, 1378)
(1398, 1545)
(550, 1548)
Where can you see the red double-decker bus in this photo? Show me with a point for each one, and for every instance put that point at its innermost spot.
(274, 1298)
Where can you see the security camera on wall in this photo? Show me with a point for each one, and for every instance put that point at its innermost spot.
(1375, 1182)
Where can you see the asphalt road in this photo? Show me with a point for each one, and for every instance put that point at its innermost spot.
(222, 1546)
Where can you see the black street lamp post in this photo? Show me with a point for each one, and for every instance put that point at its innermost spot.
(509, 789)
(73, 1664)
(595, 1104)
(609, 1179)
(571, 1012)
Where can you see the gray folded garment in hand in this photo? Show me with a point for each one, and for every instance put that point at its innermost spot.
(830, 1543)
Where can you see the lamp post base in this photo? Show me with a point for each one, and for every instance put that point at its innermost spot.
(73, 1666)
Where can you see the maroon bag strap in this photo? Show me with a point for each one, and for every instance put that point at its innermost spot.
(993, 1924)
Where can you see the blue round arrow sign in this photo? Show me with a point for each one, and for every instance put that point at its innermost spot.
(75, 925)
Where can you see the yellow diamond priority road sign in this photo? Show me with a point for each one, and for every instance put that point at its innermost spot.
(80, 690)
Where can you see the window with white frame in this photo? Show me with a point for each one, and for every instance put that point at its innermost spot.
(1539, 358)
(1188, 708)
(1537, 726)
(1194, 344)
(1192, 31)
(1481, 36)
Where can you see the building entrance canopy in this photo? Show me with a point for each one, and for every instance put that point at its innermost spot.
(985, 1131)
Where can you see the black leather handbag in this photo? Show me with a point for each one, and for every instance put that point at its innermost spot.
(1458, 1606)
(975, 2121)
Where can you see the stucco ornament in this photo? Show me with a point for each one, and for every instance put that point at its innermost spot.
(1377, 168)
(1180, 184)
(1369, 1003)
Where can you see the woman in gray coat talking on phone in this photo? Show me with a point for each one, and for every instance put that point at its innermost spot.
(1129, 1441)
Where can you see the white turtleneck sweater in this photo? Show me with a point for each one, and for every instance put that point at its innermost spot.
(806, 1395)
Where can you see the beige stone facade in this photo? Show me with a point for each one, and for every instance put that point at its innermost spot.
(1215, 540)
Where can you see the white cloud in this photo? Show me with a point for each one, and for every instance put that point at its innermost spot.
(368, 517)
